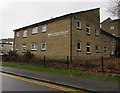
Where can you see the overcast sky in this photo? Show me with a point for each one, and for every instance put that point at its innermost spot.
(18, 13)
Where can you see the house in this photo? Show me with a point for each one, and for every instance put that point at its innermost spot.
(76, 35)
(111, 26)
(6, 45)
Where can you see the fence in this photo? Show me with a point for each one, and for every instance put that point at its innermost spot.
(94, 64)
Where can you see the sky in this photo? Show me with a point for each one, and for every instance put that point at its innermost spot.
(15, 14)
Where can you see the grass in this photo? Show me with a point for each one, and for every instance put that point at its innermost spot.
(60, 71)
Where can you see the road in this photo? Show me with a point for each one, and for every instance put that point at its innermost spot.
(16, 83)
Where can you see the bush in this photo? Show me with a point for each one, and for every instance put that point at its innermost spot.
(28, 55)
(12, 53)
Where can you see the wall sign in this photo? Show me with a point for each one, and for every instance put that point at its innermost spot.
(65, 33)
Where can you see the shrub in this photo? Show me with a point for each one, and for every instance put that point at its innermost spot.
(28, 55)
(12, 53)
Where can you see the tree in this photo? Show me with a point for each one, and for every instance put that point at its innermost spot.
(115, 8)
(28, 55)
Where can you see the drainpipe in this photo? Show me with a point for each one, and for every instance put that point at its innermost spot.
(14, 41)
(71, 38)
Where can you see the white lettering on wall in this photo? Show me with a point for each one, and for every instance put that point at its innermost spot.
(65, 33)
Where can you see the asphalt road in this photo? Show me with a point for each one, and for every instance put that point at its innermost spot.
(15, 83)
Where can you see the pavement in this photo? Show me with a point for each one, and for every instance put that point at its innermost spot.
(78, 82)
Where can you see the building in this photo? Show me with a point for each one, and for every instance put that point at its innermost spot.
(109, 43)
(111, 26)
(76, 35)
(6, 45)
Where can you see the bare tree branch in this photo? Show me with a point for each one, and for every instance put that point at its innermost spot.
(115, 8)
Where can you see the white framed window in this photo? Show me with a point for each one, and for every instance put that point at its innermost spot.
(97, 48)
(111, 27)
(97, 32)
(25, 33)
(43, 46)
(43, 28)
(88, 48)
(17, 34)
(87, 29)
(24, 48)
(112, 52)
(16, 46)
(34, 30)
(79, 46)
(34, 46)
(78, 23)
(113, 34)
(105, 50)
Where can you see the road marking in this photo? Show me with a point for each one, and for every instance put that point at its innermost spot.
(44, 84)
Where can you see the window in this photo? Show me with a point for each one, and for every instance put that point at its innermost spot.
(43, 28)
(17, 34)
(100, 25)
(25, 33)
(113, 34)
(78, 24)
(105, 50)
(24, 48)
(43, 46)
(33, 46)
(87, 29)
(34, 30)
(97, 48)
(112, 27)
(97, 32)
(79, 46)
(16, 46)
(88, 48)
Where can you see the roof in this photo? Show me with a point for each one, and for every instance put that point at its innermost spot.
(109, 34)
(110, 20)
(106, 20)
(53, 19)
(116, 20)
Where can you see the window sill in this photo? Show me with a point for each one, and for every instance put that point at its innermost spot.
(97, 35)
(44, 32)
(43, 49)
(97, 52)
(33, 49)
(23, 51)
(88, 34)
(89, 53)
(34, 33)
(78, 28)
(78, 50)
(25, 37)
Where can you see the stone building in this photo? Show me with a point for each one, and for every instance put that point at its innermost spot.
(76, 35)
(111, 26)
(109, 43)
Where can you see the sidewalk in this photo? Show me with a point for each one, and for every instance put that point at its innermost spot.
(85, 83)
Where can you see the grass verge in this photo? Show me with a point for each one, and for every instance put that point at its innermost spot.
(60, 71)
